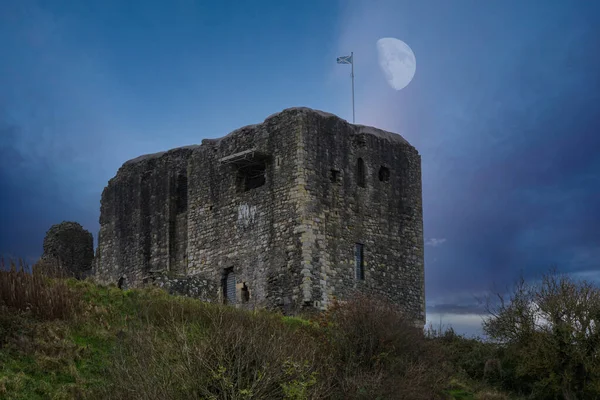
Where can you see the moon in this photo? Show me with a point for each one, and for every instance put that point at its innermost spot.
(397, 61)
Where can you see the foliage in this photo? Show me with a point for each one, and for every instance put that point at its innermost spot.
(468, 355)
(218, 353)
(378, 353)
(550, 336)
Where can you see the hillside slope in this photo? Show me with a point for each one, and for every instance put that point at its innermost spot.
(67, 339)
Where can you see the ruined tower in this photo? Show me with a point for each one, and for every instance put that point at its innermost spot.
(69, 248)
(288, 213)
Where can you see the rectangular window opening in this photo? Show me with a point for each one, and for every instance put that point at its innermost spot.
(384, 174)
(359, 261)
(334, 176)
(253, 176)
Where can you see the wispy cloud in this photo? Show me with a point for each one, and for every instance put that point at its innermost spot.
(468, 324)
(433, 242)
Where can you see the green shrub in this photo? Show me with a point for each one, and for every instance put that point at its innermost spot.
(550, 337)
(380, 354)
(194, 350)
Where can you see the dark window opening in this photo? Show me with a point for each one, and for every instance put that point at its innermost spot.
(359, 261)
(361, 140)
(253, 176)
(334, 176)
(121, 282)
(229, 295)
(182, 194)
(360, 172)
(245, 293)
(384, 174)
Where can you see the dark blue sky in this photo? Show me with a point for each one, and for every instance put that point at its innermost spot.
(504, 108)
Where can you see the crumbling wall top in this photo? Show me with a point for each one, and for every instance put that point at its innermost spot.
(255, 129)
(160, 154)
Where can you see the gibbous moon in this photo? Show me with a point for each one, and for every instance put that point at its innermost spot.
(397, 61)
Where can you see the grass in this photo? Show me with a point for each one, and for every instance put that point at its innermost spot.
(68, 339)
(59, 354)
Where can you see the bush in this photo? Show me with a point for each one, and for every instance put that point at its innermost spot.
(187, 349)
(550, 336)
(379, 353)
(467, 355)
(219, 353)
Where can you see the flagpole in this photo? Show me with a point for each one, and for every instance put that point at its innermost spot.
(352, 75)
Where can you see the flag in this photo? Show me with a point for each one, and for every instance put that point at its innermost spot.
(344, 60)
(349, 60)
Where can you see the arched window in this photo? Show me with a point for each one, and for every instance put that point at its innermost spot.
(360, 172)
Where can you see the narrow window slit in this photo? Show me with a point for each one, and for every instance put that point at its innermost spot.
(359, 261)
(360, 172)
(182, 194)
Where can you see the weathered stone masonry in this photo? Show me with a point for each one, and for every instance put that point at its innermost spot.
(69, 248)
(288, 213)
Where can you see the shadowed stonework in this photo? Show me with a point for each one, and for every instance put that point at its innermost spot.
(285, 214)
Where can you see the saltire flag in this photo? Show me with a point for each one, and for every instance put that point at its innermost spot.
(344, 60)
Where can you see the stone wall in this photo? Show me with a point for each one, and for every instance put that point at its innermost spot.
(196, 286)
(251, 231)
(381, 210)
(143, 219)
(70, 248)
(280, 204)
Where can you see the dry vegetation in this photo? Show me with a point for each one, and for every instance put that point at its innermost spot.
(66, 339)
(20, 291)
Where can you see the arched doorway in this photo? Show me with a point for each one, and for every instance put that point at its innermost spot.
(229, 290)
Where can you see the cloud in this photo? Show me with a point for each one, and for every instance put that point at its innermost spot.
(467, 324)
(592, 276)
(433, 242)
(451, 308)
(58, 109)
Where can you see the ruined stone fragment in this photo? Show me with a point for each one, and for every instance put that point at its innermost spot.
(69, 248)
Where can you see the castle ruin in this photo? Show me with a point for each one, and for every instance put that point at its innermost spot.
(286, 214)
(69, 249)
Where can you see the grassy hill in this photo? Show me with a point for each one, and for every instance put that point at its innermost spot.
(68, 339)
